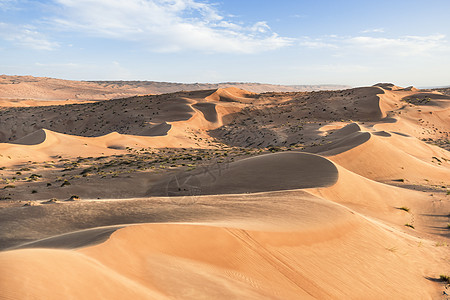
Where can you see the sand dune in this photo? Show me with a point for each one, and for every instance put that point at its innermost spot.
(379, 159)
(241, 120)
(182, 114)
(386, 156)
(158, 116)
(340, 145)
(378, 198)
(34, 138)
(231, 94)
(157, 130)
(72, 240)
(157, 261)
(44, 144)
(208, 110)
(282, 270)
(224, 194)
(83, 276)
(270, 172)
(388, 86)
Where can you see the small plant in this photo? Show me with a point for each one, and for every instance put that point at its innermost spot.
(409, 225)
(440, 244)
(405, 208)
(10, 186)
(65, 182)
(444, 278)
(35, 177)
(52, 200)
(33, 191)
(74, 198)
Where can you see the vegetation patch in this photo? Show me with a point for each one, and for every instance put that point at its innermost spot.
(445, 278)
(405, 208)
(410, 226)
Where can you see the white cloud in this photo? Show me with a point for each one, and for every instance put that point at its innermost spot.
(398, 46)
(62, 65)
(403, 46)
(375, 30)
(298, 16)
(166, 25)
(7, 4)
(26, 36)
(317, 43)
(260, 27)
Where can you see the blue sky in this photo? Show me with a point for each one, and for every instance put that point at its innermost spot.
(283, 41)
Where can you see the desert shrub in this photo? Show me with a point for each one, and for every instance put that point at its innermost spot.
(445, 278)
(35, 176)
(405, 208)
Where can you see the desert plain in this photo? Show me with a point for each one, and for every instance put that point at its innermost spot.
(131, 190)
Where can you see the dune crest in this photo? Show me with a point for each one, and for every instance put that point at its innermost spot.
(388, 86)
(231, 94)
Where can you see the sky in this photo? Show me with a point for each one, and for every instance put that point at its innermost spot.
(355, 43)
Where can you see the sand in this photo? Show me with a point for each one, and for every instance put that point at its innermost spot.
(227, 194)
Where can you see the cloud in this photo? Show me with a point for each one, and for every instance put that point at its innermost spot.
(166, 25)
(317, 43)
(333, 68)
(58, 65)
(7, 4)
(375, 30)
(260, 27)
(26, 36)
(402, 46)
(398, 46)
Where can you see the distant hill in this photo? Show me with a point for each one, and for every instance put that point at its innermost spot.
(171, 87)
(43, 88)
(443, 90)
